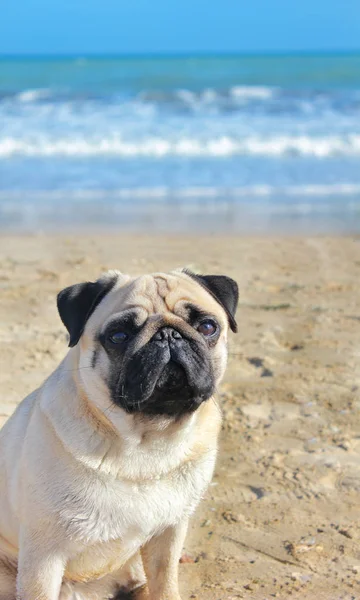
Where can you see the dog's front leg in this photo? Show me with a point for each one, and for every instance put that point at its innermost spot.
(161, 563)
(40, 569)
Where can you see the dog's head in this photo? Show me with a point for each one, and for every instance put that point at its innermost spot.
(155, 344)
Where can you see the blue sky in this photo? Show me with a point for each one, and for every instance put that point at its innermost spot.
(172, 26)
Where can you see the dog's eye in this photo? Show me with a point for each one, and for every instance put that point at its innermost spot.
(207, 328)
(118, 337)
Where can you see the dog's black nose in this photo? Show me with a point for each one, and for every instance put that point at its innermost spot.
(167, 334)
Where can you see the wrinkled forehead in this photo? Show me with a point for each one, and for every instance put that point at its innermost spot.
(158, 293)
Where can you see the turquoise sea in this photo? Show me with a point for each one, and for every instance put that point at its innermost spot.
(234, 142)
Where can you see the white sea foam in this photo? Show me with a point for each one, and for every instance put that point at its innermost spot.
(28, 96)
(255, 92)
(157, 147)
(212, 97)
(159, 193)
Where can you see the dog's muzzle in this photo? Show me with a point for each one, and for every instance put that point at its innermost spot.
(170, 375)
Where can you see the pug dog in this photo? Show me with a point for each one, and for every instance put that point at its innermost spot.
(102, 466)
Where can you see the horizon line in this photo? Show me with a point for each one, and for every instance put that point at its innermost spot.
(178, 55)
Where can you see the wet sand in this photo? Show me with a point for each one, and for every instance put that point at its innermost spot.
(281, 518)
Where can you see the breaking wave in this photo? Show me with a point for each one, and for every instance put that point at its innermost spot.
(168, 193)
(157, 147)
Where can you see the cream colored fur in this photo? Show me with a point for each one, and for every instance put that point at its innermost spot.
(93, 499)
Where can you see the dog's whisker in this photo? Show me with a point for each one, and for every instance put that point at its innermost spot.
(108, 410)
(77, 369)
(216, 403)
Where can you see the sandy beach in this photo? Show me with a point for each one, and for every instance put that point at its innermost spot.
(282, 516)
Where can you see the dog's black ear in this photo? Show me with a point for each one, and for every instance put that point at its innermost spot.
(224, 289)
(77, 302)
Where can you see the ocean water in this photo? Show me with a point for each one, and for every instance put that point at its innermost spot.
(202, 142)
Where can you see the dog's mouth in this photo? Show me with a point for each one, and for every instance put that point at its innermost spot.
(165, 383)
(173, 378)
(172, 394)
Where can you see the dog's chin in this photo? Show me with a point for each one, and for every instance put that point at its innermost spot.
(167, 403)
(171, 395)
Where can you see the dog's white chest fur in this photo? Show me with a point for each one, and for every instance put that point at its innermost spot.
(113, 508)
(119, 496)
(104, 500)
(119, 516)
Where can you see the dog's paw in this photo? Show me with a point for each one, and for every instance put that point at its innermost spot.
(124, 595)
(140, 593)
